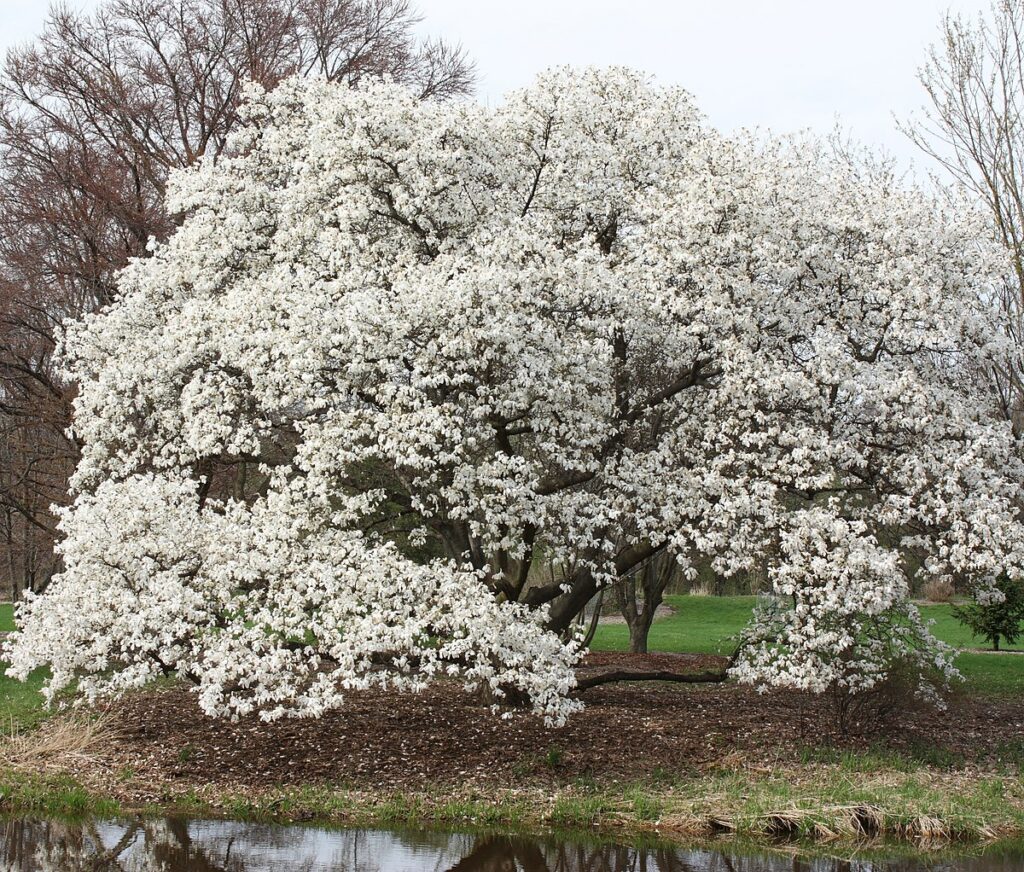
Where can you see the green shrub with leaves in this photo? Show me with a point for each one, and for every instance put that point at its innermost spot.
(992, 620)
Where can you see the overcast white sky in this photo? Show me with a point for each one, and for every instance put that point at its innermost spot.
(780, 64)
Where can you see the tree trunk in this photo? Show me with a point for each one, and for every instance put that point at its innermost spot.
(638, 639)
(640, 627)
(12, 563)
(639, 596)
(565, 609)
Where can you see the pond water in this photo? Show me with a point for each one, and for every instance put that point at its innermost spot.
(177, 845)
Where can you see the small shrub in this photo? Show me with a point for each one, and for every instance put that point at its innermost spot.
(995, 620)
(553, 757)
(906, 686)
(890, 658)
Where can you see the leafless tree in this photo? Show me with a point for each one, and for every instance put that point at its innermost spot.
(94, 114)
(974, 127)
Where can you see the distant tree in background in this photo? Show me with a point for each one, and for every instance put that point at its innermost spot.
(995, 619)
(974, 127)
(639, 595)
(94, 115)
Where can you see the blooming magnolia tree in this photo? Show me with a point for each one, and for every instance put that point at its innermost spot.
(400, 353)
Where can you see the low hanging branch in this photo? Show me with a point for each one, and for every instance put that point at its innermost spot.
(608, 676)
(614, 675)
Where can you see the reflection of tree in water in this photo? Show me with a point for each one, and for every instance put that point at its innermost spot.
(138, 846)
(510, 854)
(54, 846)
(172, 845)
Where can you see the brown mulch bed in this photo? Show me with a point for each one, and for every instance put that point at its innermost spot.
(446, 736)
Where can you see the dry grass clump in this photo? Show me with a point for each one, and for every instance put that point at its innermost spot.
(690, 824)
(937, 590)
(61, 743)
(859, 822)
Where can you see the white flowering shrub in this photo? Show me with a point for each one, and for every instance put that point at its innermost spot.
(835, 620)
(398, 352)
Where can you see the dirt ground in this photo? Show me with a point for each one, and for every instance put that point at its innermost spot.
(627, 733)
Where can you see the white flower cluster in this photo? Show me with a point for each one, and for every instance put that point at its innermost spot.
(581, 328)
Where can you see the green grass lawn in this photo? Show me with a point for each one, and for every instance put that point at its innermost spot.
(700, 625)
(709, 625)
(996, 675)
(20, 702)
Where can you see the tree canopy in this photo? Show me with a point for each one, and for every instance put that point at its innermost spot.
(449, 344)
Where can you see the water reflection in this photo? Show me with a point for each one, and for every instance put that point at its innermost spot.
(177, 845)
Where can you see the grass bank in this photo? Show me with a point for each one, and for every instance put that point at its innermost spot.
(812, 803)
